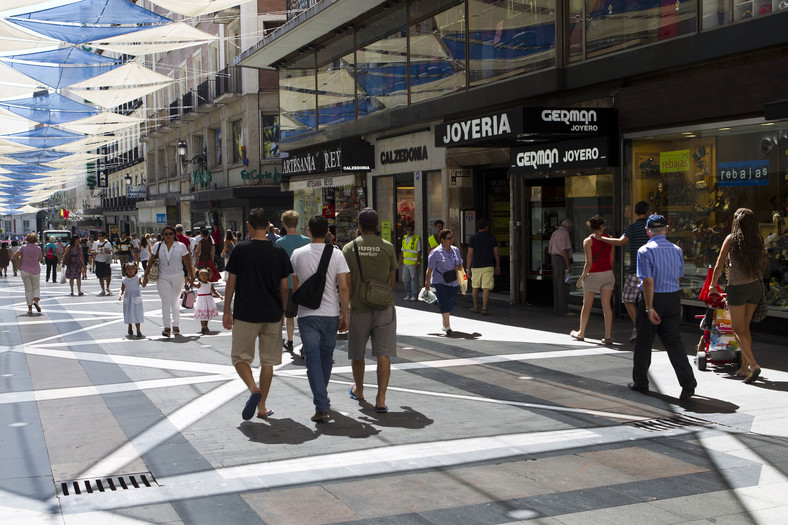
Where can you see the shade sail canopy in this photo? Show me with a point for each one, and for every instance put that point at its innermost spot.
(19, 167)
(123, 84)
(38, 156)
(7, 146)
(159, 39)
(197, 7)
(89, 20)
(52, 108)
(102, 123)
(46, 137)
(61, 67)
(14, 39)
(87, 143)
(14, 84)
(73, 160)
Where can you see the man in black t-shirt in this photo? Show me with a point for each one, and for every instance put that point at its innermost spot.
(124, 249)
(257, 279)
(484, 263)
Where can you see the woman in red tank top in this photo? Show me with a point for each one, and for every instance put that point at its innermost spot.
(597, 278)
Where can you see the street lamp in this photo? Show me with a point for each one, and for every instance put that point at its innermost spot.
(201, 159)
(127, 178)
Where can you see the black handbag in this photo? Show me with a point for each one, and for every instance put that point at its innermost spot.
(310, 293)
(451, 275)
(762, 309)
(373, 293)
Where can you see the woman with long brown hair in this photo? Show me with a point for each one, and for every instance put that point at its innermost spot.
(742, 257)
(74, 262)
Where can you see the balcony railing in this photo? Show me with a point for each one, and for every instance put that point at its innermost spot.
(205, 92)
(187, 102)
(175, 110)
(228, 80)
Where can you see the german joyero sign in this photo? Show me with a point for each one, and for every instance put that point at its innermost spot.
(570, 154)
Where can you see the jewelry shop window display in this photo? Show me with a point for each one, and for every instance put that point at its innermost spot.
(699, 178)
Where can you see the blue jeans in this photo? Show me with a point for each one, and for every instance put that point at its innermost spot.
(318, 337)
(410, 278)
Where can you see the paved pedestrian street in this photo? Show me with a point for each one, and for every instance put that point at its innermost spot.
(507, 421)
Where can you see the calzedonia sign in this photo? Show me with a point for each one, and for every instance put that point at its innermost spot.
(355, 155)
(570, 154)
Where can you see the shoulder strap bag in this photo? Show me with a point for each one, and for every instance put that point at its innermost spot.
(153, 273)
(374, 294)
(310, 293)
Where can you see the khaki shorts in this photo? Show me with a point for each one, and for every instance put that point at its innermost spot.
(381, 325)
(483, 277)
(596, 282)
(270, 342)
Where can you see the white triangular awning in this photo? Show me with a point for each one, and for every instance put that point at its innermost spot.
(89, 142)
(156, 40)
(14, 84)
(7, 146)
(197, 7)
(123, 84)
(106, 122)
(13, 38)
(73, 160)
(29, 209)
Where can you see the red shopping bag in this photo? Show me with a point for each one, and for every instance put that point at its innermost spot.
(704, 292)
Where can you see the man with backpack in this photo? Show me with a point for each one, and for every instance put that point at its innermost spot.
(318, 271)
(51, 259)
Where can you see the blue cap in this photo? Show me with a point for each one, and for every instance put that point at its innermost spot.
(656, 221)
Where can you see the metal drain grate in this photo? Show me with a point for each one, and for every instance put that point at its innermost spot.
(668, 423)
(91, 486)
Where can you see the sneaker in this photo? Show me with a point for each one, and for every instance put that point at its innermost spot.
(447, 329)
(413, 298)
(407, 297)
(634, 334)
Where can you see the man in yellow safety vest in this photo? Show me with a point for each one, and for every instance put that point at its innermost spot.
(410, 259)
(434, 241)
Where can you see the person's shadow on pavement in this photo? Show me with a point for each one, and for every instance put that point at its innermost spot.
(455, 334)
(274, 431)
(340, 425)
(406, 418)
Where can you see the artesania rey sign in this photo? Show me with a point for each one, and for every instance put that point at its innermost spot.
(352, 155)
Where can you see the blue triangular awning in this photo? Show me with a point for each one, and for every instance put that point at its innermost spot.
(38, 156)
(52, 108)
(46, 137)
(26, 176)
(61, 67)
(89, 20)
(26, 168)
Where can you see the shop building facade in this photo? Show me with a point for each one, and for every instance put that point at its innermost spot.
(697, 129)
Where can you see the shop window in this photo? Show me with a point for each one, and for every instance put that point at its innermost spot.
(239, 152)
(217, 146)
(508, 37)
(698, 179)
(437, 45)
(384, 204)
(617, 25)
(271, 136)
(433, 199)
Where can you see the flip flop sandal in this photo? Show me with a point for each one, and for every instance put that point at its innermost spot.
(251, 406)
(352, 394)
(574, 334)
(381, 410)
(475, 310)
(269, 413)
(485, 312)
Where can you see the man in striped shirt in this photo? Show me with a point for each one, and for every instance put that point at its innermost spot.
(660, 266)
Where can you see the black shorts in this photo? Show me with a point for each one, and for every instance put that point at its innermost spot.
(103, 270)
(291, 309)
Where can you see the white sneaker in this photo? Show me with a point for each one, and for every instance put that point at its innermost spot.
(407, 297)
(413, 298)
(447, 329)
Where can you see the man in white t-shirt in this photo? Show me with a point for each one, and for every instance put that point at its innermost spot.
(103, 250)
(318, 328)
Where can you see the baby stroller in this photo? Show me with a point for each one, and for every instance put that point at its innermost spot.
(717, 345)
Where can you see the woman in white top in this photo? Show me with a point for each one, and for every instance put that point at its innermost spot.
(172, 256)
(144, 251)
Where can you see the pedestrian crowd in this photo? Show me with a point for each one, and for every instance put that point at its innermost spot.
(274, 281)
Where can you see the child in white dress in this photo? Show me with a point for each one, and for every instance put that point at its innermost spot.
(133, 312)
(205, 307)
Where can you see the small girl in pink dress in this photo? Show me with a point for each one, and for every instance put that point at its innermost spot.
(205, 307)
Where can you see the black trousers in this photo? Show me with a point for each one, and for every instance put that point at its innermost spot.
(51, 268)
(668, 306)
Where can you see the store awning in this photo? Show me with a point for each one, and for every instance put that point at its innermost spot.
(301, 30)
(324, 180)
